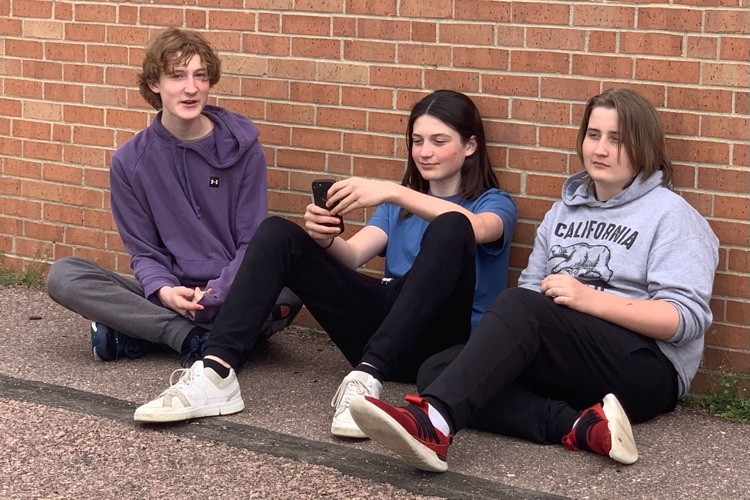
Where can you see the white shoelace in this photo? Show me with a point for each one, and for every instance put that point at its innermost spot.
(346, 391)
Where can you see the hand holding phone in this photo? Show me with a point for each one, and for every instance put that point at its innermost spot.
(320, 189)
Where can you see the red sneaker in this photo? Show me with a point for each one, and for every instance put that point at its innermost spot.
(604, 429)
(406, 431)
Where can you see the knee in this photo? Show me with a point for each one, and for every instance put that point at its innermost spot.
(60, 276)
(450, 227)
(277, 227)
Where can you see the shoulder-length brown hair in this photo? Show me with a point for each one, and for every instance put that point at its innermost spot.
(638, 128)
(458, 112)
(173, 47)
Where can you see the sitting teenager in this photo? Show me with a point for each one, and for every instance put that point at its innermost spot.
(187, 194)
(607, 323)
(445, 233)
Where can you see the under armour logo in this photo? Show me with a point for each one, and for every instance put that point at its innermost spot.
(213, 182)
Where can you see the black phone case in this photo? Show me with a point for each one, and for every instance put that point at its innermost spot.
(320, 189)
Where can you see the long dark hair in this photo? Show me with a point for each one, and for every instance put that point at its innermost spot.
(638, 128)
(458, 112)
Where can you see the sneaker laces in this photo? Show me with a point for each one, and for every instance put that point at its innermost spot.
(181, 376)
(348, 390)
(196, 350)
(425, 430)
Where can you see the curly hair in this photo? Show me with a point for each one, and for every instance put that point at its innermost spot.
(171, 48)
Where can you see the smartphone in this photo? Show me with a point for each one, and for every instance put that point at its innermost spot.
(320, 189)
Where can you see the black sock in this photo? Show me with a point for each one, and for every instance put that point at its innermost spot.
(187, 344)
(370, 370)
(222, 370)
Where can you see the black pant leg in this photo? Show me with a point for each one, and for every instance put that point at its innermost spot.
(531, 365)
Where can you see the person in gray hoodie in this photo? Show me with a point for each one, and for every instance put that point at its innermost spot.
(187, 194)
(607, 323)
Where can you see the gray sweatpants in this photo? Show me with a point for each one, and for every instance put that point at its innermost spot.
(104, 296)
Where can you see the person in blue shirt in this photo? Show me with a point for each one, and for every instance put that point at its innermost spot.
(445, 233)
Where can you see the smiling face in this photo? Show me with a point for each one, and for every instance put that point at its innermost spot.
(607, 163)
(439, 154)
(184, 93)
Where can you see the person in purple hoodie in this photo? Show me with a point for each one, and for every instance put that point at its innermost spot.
(187, 194)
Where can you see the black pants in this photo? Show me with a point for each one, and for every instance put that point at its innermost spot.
(530, 367)
(392, 325)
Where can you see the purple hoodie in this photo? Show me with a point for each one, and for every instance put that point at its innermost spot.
(186, 210)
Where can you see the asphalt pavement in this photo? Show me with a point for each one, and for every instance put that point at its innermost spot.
(66, 431)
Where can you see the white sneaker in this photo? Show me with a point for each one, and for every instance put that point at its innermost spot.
(357, 383)
(198, 392)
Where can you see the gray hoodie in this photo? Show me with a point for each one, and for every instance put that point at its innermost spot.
(647, 242)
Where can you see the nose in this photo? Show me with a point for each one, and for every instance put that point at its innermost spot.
(191, 86)
(424, 151)
(600, 148)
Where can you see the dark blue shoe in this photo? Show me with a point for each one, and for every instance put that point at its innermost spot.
(109, 345)
(196, 349)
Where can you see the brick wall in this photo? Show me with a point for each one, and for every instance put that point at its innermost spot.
(330, 83)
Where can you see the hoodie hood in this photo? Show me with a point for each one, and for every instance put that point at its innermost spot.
(229, 140)
(577, 190)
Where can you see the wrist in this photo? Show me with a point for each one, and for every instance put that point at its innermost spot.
(326, 247)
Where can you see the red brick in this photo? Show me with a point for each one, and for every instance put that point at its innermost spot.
(418, 8)
(667, 70)
(24, 49)
(306, 24)
(424, 54)
(76, 195)
(127, 35)
(540, 111)
(462, 81)
(669, 19)
(64, 52)
(724, 179)
(396, 76)
(481, 10)
(480, 57)
(735, 48)
(731, 233)
(296, 69)
(727, 21)
(370, 7)
(540, 13)
(492, 107)
(33, 130)
(316, 138)
(321, 93)
(544, 185)
(604, 16)
(123, 118)
(85, 32)
(538, 160)
(366, 97)
(80, 73)
(96, 13)
(83, 114)
(742, 103)
(84, 155)
(33, 248)
(301, 160)
(679, 123)
(740, 155)
(389, 169)
(511, 133)
(511, 36)
(264, 88)
(22, 88)
(739, 260)
(43, 231)
(344, 27)
(602, 41)
(11, 27)
(533, 208)
(351, 119)
(42, 70)
(32, 8)
(732, 361)
(291, 113)
(161, 16)
(368, 144)
(21, 208)
(651, 44)
(380, 29)
(702, 202)
(730, 74)
(423, 32)
(335, 6)
(703, 47)
(731, 207)
(510, 85)
(361, 50)
(269, 22)
(84, 237)
(467, 34)
(701, 99)
(93, 136)
(728, 336)
(62, 173)
(277, 45)
(555, 38)
(99, 219)
(107, 54)
(726, 127)
(534, 61)
(557, 137)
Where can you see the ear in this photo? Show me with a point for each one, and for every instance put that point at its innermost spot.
(154, 86)
(471, 145)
